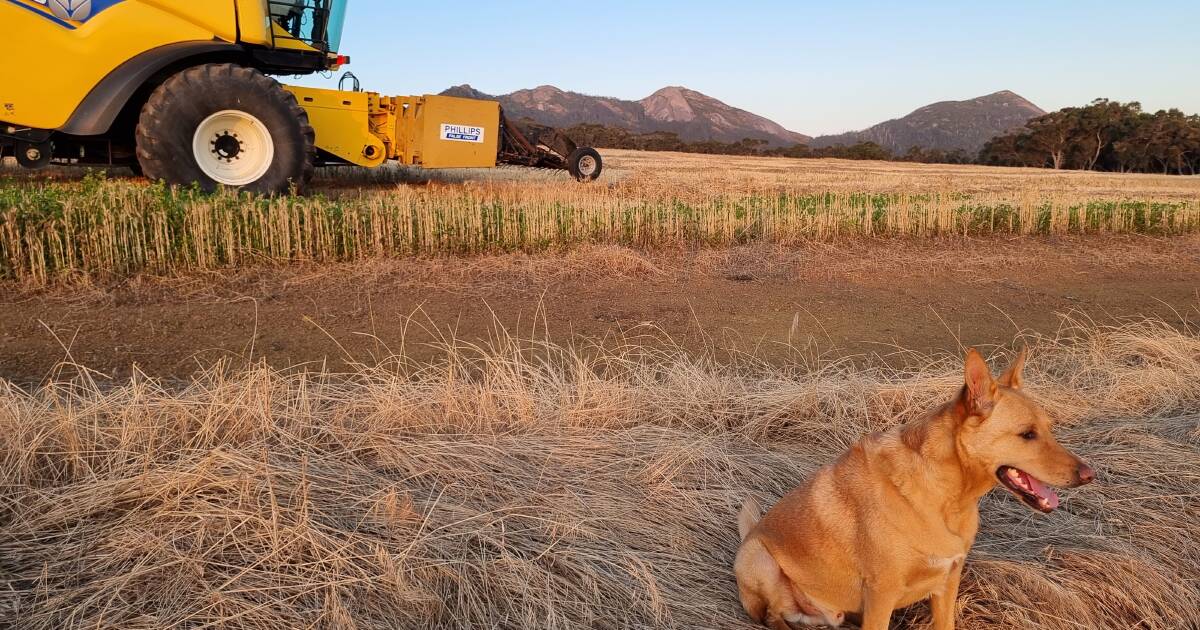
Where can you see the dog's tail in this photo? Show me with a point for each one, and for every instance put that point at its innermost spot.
(748, 517)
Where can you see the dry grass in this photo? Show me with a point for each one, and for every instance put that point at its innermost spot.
(530, 486)
(717, 172)
(68, 227)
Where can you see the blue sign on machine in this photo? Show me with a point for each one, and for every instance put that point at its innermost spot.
(462, 133)
(68, 11)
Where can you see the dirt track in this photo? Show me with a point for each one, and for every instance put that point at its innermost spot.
(863, 300)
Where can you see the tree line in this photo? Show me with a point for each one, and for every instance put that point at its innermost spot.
(588, 134)
(1102, 136)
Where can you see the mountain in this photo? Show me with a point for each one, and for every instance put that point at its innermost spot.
(705, 118)
(692, 115)
(948, 125)
(696, 117)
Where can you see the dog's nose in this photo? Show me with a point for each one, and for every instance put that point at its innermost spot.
(1086, 474)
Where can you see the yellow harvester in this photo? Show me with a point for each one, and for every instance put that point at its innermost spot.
(180, 90)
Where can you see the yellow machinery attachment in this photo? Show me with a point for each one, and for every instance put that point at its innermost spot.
(366, 129)
(446, 132)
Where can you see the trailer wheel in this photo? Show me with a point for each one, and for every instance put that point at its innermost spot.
(34, 156)
(226, 125)
(585, 164)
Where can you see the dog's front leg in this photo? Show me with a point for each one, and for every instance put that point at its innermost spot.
(943, 602)
(878, 603)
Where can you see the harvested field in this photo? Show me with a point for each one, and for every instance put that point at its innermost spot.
(94, 226)
(169, 311)
(865, 300)
(526, 485)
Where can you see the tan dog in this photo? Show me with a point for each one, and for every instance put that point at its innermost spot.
(891, 521)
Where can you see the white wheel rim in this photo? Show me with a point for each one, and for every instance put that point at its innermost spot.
(587, 165)
(233, 148)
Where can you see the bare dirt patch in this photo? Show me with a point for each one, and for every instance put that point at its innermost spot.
(865, 300)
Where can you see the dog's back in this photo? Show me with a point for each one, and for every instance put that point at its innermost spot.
(767, 594)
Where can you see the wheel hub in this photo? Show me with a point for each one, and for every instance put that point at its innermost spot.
(227, 146)
(587, 165)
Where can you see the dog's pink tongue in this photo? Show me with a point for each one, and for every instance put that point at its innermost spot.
(1042, 491)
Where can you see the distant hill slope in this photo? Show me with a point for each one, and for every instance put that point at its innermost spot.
(692, 115)
(948, 125)
(703, 117)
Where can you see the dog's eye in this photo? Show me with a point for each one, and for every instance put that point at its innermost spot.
(1029, 435)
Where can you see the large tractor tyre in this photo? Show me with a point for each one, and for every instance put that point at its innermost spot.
(585, 164)
(226, 125)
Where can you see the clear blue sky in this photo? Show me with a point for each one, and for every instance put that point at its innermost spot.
(815, 67)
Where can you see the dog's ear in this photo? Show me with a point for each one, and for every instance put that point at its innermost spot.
(980, 387)
(1012, 376)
